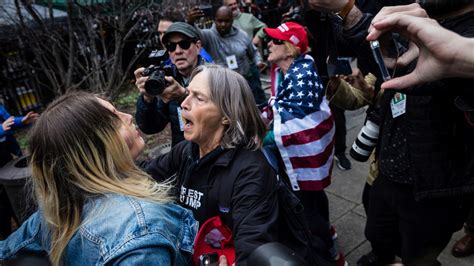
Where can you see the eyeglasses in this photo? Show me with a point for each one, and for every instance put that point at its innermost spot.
(277, 41)
(184, 44)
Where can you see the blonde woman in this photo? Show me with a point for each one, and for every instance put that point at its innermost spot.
(95, 206)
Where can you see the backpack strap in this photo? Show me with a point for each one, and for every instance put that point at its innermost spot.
(271, 157)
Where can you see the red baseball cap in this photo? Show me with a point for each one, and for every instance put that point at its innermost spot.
(291, 32)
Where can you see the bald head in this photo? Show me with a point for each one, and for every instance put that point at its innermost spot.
(224, 20)
(224, 11)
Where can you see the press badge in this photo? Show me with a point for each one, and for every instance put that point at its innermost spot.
(181, 119)
(398, 104)
(232, 62)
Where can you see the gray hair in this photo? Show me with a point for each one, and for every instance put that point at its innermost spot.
(230, 92)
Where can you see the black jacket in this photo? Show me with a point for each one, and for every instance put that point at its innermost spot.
(439, 154)
(253, 213)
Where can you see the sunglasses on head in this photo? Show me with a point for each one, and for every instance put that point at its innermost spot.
(276, 41)
(184, 44)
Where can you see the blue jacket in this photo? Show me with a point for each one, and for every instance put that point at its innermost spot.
(115, 230)
(4, 115)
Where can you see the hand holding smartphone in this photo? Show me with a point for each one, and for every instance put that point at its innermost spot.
(339, 66)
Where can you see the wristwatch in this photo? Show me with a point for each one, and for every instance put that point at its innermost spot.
(341, 15)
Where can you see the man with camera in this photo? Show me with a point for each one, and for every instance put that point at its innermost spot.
(163, 87)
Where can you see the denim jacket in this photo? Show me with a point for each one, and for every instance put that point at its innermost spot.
(116, 230)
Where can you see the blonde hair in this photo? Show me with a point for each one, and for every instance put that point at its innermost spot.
(230, 92)
(295, 52)
(77, 152)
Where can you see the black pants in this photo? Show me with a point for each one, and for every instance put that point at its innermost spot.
(316, 206)
(417, 231)
(340, 124)
(365, 197)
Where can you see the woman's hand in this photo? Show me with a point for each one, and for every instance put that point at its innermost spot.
(441, 53)
(29, 118)
(7, 124)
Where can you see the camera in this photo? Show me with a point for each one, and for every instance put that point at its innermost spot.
(156, 72)
(367, 137)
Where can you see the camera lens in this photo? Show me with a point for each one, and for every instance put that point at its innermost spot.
(365, 142)
(156, 83)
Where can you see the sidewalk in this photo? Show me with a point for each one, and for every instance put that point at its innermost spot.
(345, 204)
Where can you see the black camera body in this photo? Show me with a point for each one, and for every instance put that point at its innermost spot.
(156, 72)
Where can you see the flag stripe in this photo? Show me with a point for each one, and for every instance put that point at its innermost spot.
(308, 121)
(312, 148)
(315, 184)
(313, 161)
(309, 135)
(307, 174)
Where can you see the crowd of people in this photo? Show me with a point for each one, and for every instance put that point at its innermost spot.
(239, 157)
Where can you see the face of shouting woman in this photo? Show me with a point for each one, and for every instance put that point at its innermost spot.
(205, 124)
(127, 130)
(278, 52)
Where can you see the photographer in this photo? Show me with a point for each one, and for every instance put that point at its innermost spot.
(156, 110)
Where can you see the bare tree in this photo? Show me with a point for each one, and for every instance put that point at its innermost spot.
(85, 48)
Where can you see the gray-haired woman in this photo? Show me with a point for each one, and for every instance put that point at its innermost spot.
(223, 132)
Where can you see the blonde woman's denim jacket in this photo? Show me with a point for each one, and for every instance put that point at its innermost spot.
(116, 230)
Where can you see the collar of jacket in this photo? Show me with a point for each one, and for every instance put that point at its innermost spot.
(224, 159)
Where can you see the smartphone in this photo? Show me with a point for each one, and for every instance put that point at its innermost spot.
(206, 9)
(377, 53)
(209, 259)
(339, 66)
(343, 66)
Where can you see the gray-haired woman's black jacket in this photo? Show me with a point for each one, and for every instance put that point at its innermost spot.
(253, 214)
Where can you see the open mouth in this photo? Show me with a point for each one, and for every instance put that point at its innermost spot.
(187, 123)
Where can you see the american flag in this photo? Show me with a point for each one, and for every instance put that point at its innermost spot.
(303, 126)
